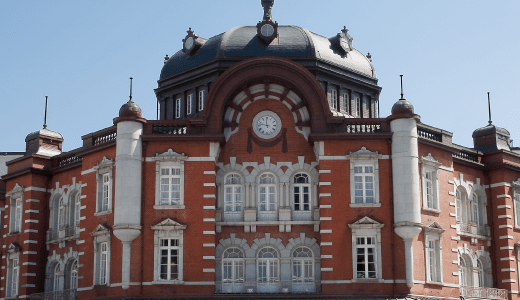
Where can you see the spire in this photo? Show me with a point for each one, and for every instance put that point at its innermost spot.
(45, 118)
(402, 95)
(267, 5)
(130, 90)
(489, 110)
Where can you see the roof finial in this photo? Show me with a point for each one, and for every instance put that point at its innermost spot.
(402, 95)
(344, 30)
(489, 109)
(267, 5)
(130, 90)
(45, 118)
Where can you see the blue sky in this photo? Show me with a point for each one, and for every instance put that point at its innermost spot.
(81, 55)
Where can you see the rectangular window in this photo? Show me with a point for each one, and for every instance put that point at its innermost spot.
(170, 186)
(358, 107)
(267, 199)
(345, 103)
(103, 262)
(13, 277)
(364, 184)
(432, 260)
(169, 259)
(429, 190)
(177, 108)
(334, 99)
(366, 257)
(189, 104)
(517, 209)
(301, 198)
(201, 100)
(18, 215)
(106, 192)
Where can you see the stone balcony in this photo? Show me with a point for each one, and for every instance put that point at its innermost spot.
(56, 295)
(475, 292)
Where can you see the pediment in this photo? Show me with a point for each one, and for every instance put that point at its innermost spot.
(435, 227)
(516, 183)
(168, 225)
(100, 230)
(105, 161)
(170, 155)
(366, 222)
(428, 159)
(17, 190)
(364, 153)
(14, 248)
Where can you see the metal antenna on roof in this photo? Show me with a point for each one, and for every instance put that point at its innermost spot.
(402, 87)
(489, 109)
(130, 90)
(45, 118)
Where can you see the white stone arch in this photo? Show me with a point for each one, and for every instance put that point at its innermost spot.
(479, 190)
(309, 243)
(68, 259)
(268, 241)
(53, 261)
(224, 244)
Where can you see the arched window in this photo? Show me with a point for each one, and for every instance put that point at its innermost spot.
(302, 265)
(267, 197)
(233, 193)
(461, 206)
(233, 266)
(267, 265)
(71, 275)
(61, 214)
(302, 191)
(465, 272)
(481, 276)
(56, 278)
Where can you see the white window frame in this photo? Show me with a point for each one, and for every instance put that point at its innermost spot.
(170, 276)
(364, 158)
(430, 166)
(334, 98)
(16, 200)
(169, 159)
(235, 265)
(272, 265)
(301, 193)
(189, 104)
(433, 237)
(105, 170)
(304, 264)
(516, 203)
(465, 271)
(13, 271)
(201, 100)
(346, 100)
(101, 237)
(461, 205)
(168, 229)
(366, 227)
(237, 198)
(178, 107)
(358, 109)
(268, 213)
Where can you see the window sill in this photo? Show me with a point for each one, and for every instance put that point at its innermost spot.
(174, 282)
(68, 238)
(13, 233)
(434, 283)
(438, 211)
(101, 213)
(365, 280)
(365, 204)
(169, 207)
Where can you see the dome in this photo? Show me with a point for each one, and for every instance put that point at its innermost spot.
(402, 107)
(130, 109)
(490, 129)
(293, 43)
(44, 132)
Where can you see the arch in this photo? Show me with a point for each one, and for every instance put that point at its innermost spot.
(71, 274)
(257, 70)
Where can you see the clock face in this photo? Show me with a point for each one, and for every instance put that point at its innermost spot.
(189, 43)
(267, 30)
(267, 124)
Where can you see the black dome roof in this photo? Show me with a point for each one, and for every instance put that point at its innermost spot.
(293, 43)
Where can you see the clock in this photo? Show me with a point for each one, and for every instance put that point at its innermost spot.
(267, 124)
(189, 43)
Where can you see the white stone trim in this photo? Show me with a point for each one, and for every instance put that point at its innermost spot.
(168, 228)
(509, 280)
(507, 248)
(34, 211)
(208, 207)
(88, 171)
(209, 172)
(208, 232)
(208, 270)
(324, 171)
(208, 257)
(503, 196)
(507, 270)
(325, 218)
(208, 245)
(510, 237)
(507, 258)
(326, 244)
(211, 184)
(209, 196)
(32, 200)
(324, 195)
(326, 231)
(31, 221)
(327, 269)
(322, 206)
(504, 206)
(499, 184)
(505, 226)
(505, 217)
(36, 189)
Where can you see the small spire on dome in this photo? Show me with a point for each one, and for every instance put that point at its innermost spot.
(166, 58)
(190, 32)
(489, 110)
(402, 98)
(369, 57)
(267, 5)
(130, 90)
(45, 118)
(344, 30)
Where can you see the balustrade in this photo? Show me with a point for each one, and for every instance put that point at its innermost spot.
(56, 295)
(483, 292)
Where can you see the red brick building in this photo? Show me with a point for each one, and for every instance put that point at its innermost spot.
(268, 171)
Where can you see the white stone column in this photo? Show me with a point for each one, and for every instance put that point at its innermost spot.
(288, 194)
(248, 202)
(253, 194)
(281, 202)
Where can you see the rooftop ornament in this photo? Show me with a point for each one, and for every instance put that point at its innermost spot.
(267, 30)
